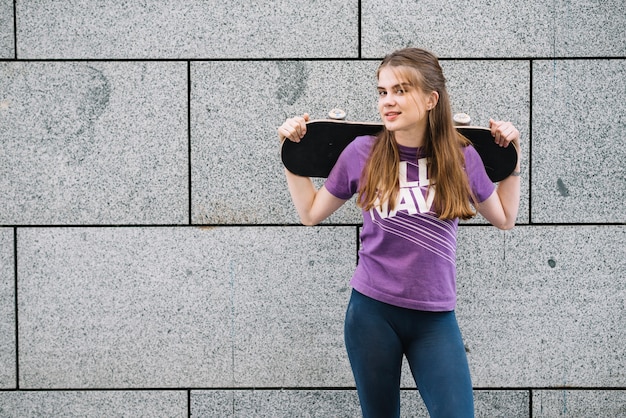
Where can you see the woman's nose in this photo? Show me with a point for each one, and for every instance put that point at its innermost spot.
(388, 99)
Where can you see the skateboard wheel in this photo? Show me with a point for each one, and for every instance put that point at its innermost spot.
(337, 114)
(462, 119)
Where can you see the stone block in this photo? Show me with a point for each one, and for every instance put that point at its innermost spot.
(237, 175)
(504, 30)
(275, 403)
(7, 311)
(94, 404)
(578, 141)
(7, 40)
(469, 29)
(183, 307)
(93, 143)
(498, 90)
(543, 306)
(589, 29)
(337, 403)
(289, 305)
(188, 29)
(579, 403)
(501, 403)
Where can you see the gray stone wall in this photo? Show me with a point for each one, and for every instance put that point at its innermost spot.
(151, 263)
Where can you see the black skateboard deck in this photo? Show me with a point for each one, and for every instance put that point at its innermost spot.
(318, 151)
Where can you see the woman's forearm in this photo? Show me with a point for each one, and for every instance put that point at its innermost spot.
(303, 194)
(313, 206)
(509, 194)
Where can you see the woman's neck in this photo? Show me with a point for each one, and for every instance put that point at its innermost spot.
(413, 138)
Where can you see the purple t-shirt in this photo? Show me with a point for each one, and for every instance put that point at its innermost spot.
(408, 255)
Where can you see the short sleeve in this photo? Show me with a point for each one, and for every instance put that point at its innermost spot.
(343, 180)
(480, 183)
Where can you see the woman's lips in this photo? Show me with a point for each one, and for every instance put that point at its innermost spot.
(391, 116)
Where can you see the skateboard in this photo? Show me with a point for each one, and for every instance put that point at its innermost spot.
(325, 139)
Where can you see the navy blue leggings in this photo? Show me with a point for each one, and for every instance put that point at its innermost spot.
(377, 335)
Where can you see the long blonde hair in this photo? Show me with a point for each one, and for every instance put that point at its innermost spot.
(443, 145)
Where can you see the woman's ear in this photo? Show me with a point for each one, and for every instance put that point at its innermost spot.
(433, 99)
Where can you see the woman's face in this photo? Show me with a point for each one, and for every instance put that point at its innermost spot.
(402, 105)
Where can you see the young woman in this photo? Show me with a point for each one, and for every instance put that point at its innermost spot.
(413, 183)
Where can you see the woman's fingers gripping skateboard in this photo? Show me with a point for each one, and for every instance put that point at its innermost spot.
(293, 128)
(504, 133)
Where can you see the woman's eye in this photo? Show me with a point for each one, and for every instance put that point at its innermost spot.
(400, 92)
(382, 93)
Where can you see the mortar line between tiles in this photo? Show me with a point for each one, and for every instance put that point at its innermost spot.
(189, 142)
(284, 225)
(313, 59)
(530, 144)
(530, 403)
(304, 388)
(17, 345)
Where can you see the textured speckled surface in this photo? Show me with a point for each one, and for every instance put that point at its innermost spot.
(459, 29)
(183, 307)
(7, 41)
(483, 28)
(103, 404)
(237, 175)
(589, 29)
(496, 90)
(7, 310)
(283, 403)
(579, 403)
(579, 150)
(542, 306)
(93, 143)
(338, 403)
(188, 29)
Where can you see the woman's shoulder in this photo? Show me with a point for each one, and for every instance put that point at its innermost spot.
(362, 143)
(365, 139)
(357, 151)
(470, 153)
(473, 163)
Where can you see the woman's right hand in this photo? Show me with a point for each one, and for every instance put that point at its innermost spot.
(293, 128)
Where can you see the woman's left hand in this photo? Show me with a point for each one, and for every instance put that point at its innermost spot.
(504, 133)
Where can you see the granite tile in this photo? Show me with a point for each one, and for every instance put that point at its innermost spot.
(578, 150)
(96, 404)
(482, 29)
(236, 108)
(288, 330)
(7, 40)
(579, 403)
(182, 307)
(543, 306)
(123, 308)
(498, 90)
(495, 403)
(275, 403)
(463, 29)
(590, 29)
(7, 311)
(337, 403)
(187, 29)
(93, 143)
